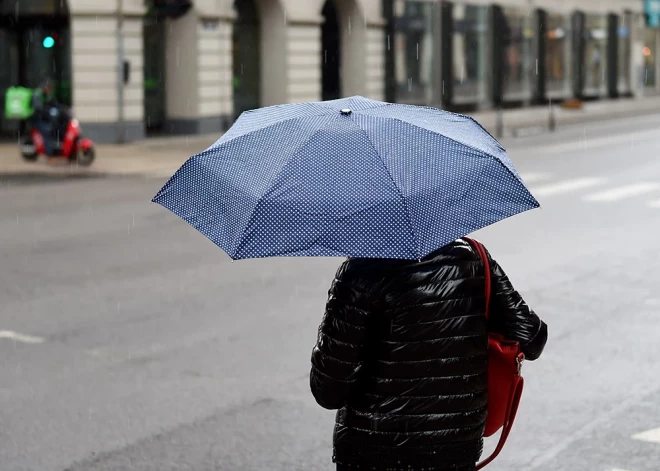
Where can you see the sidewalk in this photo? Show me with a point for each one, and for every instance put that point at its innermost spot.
(161, 157)
(524, 120)
(157, 157)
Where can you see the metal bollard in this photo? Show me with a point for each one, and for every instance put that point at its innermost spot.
(499, 126)
(552, 122)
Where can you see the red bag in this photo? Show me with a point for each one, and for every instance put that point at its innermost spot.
(505, 384)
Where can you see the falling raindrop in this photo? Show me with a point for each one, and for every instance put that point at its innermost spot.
(417, 51)
(388, 42)
(350, 29)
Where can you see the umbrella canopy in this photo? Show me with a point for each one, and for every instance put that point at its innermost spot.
(350, 177)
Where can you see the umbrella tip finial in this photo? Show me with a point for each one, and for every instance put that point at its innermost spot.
(346, 111)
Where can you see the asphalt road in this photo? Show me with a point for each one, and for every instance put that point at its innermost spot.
(130, 342)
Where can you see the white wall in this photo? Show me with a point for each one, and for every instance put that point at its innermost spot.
(182, 66)
(96, 69)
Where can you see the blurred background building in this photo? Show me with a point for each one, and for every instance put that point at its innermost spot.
(135, 68)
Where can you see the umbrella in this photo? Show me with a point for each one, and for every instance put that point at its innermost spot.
(350, 177)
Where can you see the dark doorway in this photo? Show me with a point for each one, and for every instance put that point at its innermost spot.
(331, 52)
(154, 74)
(35, 44)
(246, 57)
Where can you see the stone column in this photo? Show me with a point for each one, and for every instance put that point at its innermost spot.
(198, 74)
(375, 60)
(303, 61)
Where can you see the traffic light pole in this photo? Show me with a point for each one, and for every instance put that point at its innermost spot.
(121, 137)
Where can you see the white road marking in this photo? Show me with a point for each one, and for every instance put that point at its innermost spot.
(617, 469)
(160, 174)
(652, 436)
(595, 142)
(566, 186)
(622, 192)
(654, 204)
(533, 177)
(8, 334)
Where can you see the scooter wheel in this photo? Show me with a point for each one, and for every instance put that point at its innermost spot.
(86, 157)
(29, 152)
(30, 156)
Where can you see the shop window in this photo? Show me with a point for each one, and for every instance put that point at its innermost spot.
(471, 64)
(596, 53)
(417, 53)
(519, 56)
(558, 56)
(650, 52)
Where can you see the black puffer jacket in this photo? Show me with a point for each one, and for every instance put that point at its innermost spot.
(402, 353)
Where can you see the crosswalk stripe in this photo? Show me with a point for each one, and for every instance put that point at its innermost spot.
(623, 192)
(652, 436)
(654, 204)
(533, 177)
(11, 335)
(567, 186)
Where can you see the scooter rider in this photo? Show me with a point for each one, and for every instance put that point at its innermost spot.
(42, 102)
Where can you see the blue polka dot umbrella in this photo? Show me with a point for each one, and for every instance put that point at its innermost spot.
(350, 177)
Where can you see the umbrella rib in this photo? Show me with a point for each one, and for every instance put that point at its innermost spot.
(266, 127)
(241, 242)
(403, 198)
(480, 151)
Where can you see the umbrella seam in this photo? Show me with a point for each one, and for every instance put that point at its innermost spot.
(459, 115)
(485, 154)
(330, 111)
(405, 203)
(266, 127)
(269, 188)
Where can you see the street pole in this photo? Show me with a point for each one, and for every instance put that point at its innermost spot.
(499, 124)
(121, 137)
(552, 125)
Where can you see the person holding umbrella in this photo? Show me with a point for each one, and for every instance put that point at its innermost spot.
(402, 353)
(418, 316)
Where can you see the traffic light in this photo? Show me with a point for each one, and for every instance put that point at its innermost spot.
(48, 42)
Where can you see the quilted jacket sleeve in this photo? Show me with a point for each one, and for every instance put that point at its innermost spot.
(512, 317)
(338, 356)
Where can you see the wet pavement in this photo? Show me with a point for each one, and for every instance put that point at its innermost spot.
(130, 342)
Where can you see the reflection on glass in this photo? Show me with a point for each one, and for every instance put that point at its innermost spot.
(623, 52)
(519, 58)
(558, 56)
(650, 52)
(470, 54)
(595, 66)
(417, 56)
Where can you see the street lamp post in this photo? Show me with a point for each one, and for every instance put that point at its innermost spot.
(121, 137)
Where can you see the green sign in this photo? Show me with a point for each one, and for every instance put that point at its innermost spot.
(652, 10)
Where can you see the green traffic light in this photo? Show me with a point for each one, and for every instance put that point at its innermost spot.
(48, 42)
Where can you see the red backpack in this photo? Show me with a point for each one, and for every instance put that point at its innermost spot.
(505, 384)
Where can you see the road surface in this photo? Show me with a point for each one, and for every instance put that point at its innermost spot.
(130, 342)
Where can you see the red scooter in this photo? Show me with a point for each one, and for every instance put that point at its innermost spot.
(73, 147)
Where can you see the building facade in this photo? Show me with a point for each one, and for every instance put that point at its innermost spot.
(135, 67)
(476, 54)
(132, 68)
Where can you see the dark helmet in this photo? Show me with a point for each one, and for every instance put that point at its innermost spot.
(46, 85)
